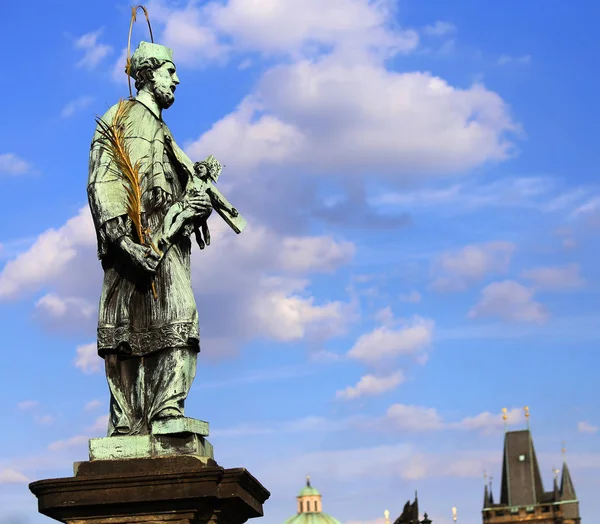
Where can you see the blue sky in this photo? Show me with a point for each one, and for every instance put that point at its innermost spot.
(421, 188)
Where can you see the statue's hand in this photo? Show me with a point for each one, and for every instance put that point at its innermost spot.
(142, 257)
(201, 205)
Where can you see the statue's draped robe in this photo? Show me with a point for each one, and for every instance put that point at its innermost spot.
(149, 344)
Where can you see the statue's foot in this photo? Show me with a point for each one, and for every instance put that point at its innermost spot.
(168, 413)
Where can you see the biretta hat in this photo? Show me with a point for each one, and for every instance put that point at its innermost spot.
(147, 50)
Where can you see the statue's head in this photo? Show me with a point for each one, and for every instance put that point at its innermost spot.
(153, 69)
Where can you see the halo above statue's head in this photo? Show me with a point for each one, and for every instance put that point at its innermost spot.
(145, 50)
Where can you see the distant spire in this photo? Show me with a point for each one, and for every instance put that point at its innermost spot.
(526, 409)
(505, 418)
(386, 514)
(454, 514)
(556, 490)
(491, 492)
(308, 481)
(567, 490)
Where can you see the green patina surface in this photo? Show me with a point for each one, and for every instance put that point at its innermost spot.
(148, 326)
(144, 446)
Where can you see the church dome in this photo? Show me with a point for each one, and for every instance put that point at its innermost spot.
(310, 509)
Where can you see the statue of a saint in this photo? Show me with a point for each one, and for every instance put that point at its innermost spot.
(148, 330)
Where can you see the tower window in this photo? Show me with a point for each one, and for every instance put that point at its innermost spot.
(315, 505)
(521, 458)
(301, 507)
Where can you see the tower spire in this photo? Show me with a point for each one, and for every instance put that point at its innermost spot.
(526, 409)
(567, 490)
(505, 418)
(486, 493)
(386, 515)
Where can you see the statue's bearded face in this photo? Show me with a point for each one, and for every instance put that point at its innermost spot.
(164, 82)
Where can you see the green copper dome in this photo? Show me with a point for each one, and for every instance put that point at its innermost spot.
(308, 491)
(309, 508)
(312, 518)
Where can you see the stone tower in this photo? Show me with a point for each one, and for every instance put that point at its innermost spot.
(522, 495)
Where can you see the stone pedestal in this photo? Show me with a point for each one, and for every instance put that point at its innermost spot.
(173, 489)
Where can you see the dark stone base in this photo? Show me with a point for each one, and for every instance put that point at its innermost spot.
(173, 490)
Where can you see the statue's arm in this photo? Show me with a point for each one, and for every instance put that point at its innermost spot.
(118, 233)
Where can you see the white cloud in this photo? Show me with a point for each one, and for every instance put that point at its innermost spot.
(589, 207)
(48, 257)
(371, 385)
(100, 426)
(488, 423)
(586, 427)
(385, 343)
(350, 118)
(11, 476)
(98, 429)
(509, 301)
(27, 405)
(252, 293)
(93, 404)
(440, 28)
(11, 164)
(304, 254)
(74, 106)
(507, 59)
(413, 297)
(87, 358)
(413, 418)
(555, 277)
(459, 269)
(403, 417)
(45, 420)
(72, 442)
(543, 194)
(93, 51)
(215, 30)
(54, 307)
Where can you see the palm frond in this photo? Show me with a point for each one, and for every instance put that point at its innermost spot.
(113, 142)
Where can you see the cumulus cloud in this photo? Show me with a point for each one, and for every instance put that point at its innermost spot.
(371, 385)
(243, 291)
(49, 258)
(74, 106)
(413, 297)
(87, 358)
(585, 427)
(27, 405)
(59, 313)
(487, 422)
(93, 404)
(555, 278)
(457, 270)
(11, 476)
(508, 59)
(331, 116)
(509, 301)
(11, 164)
(413, 418)
(99, 428)
(93, 50)
(384, 343)
(440, 28)
(215, 30)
